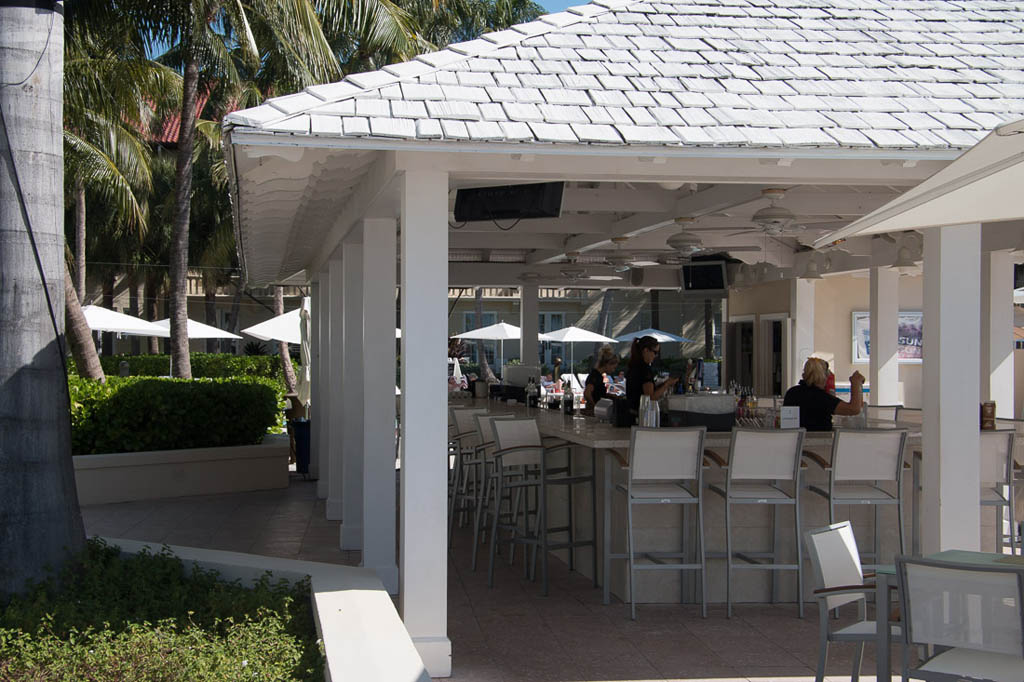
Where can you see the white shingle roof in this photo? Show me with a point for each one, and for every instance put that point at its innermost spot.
(754, 73)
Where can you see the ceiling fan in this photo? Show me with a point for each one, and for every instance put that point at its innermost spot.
(687, 244)
(620, 261)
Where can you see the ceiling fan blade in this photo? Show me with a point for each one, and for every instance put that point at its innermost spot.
(737, 249)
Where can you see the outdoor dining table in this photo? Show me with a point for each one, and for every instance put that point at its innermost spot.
(886, 576)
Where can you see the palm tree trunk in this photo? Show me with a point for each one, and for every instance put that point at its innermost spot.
(236, 304)
(655, 309)
(79, 336)
(602, 318)
(80, 240)
(210, 308)
(486, 373)
(182, 365)
(282, 347)
(709, 329)
(108, 303)
(39, 515)
(151, 311)
(133, 305)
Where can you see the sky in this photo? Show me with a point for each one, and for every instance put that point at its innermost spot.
(553, 6)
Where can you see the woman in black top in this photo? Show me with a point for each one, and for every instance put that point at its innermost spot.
(595, 388)
(640, 376)
(816, 404)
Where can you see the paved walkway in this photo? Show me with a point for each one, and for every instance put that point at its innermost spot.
(509, 633)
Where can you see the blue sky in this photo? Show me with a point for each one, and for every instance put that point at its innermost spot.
(558, 5)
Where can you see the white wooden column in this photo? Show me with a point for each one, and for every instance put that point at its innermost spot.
(336, 319)
(379, 401)
(801, 309)
(352, 395)
(997, 331)
(315, 383)
(883, 367)
(528, 324)
(951, 514)
(322, 368)
(424, 545)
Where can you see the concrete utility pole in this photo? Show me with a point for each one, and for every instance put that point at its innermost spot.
(40, 522)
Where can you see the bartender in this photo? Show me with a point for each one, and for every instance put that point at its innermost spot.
(816, 404)
(640, 375)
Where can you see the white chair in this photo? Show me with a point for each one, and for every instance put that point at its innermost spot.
(970, 613)
(882, 412)
(522, 461)
(485, 461)
(464, 437)
(665, 467)
(839, 580)
(863, 460)
(759, 459)
(908, 415)
(997, 483)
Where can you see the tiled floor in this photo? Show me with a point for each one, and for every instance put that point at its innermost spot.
(509, 633)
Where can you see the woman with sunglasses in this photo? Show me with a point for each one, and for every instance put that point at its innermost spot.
(640, 375)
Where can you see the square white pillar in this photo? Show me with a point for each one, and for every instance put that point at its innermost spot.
(951, 513)
(335, 381)
(529, 321)
(379, 237)
(883, 367)
(322, 369)
(424, 544)
(997, 331)
(315, 383)
(352, 396)
(801, 309)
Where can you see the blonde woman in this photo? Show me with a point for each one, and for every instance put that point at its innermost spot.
(816, 405)
(595, 388)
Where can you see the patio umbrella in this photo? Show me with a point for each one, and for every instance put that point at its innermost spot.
(198, 330)
(302, 387)
(660, 336)
(571, 335)
(103, 320)
(281, 328)
(495, 332)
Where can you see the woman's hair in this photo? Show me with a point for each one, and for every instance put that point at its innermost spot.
(636, 356)
(815, 372)
(605, 357)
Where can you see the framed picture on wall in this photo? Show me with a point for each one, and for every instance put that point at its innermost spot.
(910, 331)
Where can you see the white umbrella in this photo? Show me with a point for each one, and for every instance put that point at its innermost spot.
(281, 328)
(302, 387)
(104, 320)
(198, 330)
(498, 332)
(660, 336)
(573, 335)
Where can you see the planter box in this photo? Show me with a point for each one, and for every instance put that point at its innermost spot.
(129, 476)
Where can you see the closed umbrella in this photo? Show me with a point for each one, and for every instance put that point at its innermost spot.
(660, 336)
(302, 387)
(103, 320)
(573, 335)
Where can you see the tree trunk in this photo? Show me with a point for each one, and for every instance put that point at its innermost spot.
(151, 310)
(602, 319)
(79, 336)
(236, 304)
(40, 522)
(282, 347)
(655, 309)
(133, 306)
(485, 367)
(80, 241)
(182, 365)
(210, 308)
(108, 303)
(709, 329)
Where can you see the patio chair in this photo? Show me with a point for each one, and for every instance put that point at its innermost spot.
(666, 467)
(863, 460)
(908, 415)
(970, 612)
(484, 460)
(522, 461)
(886, 412)
(997, 480)
(759, 459)
(464, 440)
(839, 580)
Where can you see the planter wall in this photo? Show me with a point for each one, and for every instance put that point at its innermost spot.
(129, 476)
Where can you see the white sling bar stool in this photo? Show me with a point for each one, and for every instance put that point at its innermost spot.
(997, 483)
(759, 460)
(485, 462)
(665, 467)
(862, 461)
(465, 439)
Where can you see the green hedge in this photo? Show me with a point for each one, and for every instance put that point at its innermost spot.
(204, 365)
(134, 414)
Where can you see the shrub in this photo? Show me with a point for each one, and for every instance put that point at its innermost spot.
(143, 617)
(204, 365)
(133, 414)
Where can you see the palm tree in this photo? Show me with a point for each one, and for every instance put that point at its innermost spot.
(39, 515)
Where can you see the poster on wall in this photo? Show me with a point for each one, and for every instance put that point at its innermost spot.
(908, 344)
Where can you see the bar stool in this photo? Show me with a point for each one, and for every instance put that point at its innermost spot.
(484, 461)
(666, 467)
(862, 459)
(464, 440)
(997, 482)
(882, 412)
(759, 459)
(521, 462)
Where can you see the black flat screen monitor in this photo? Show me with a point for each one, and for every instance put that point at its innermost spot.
(704, 278)
(509, 202)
